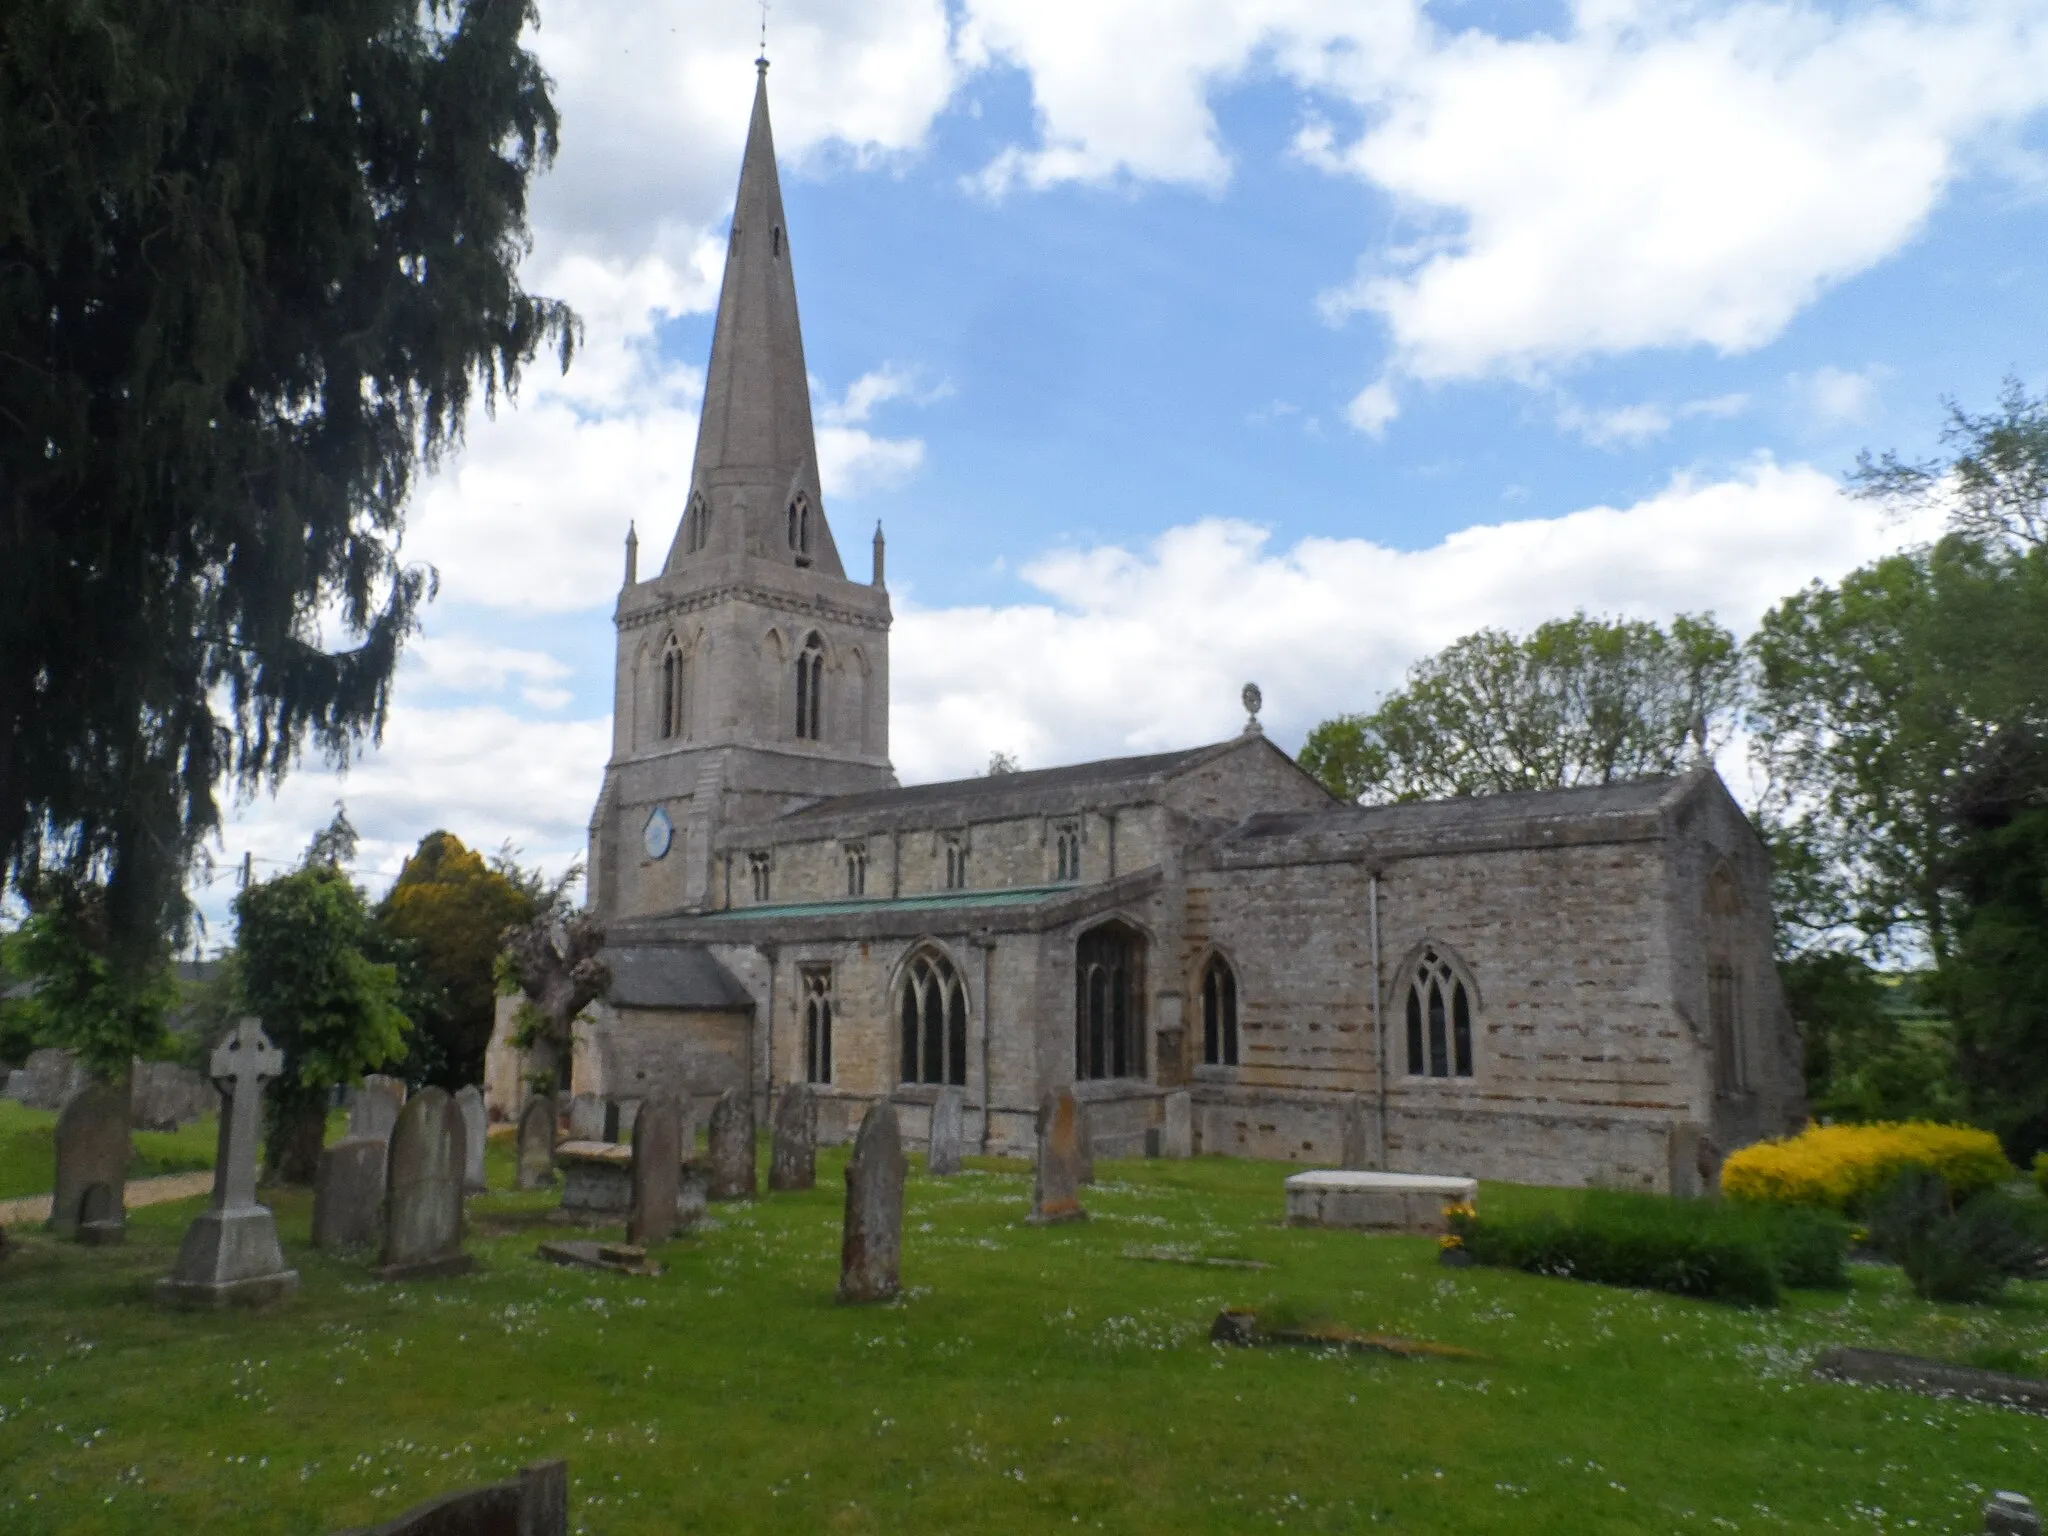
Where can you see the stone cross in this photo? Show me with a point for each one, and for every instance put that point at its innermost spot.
(241, 1065)
(231, 1254)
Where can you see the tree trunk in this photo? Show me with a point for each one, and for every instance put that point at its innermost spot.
(298, 1127)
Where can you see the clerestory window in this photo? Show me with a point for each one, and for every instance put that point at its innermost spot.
(856, 869)
(1067, 852)
(956, 864)
(760, 865)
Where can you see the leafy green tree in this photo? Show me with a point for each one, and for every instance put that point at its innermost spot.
(1577, 701)
(447, 912)
(332, 1010)
(256, 260)
(81, 998)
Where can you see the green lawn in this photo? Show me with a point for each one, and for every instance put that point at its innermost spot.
(1031, 1380)
(28, 1162)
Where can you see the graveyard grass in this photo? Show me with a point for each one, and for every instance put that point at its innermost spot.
(28, 1155)
(1031, 1379)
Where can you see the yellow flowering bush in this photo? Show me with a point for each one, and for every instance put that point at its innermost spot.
(1839, 1167)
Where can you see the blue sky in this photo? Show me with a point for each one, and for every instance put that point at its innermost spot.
(1180, 342)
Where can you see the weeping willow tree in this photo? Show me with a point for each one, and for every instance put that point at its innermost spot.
(257, 259)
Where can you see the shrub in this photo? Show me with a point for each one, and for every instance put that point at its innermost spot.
(1951, 1252)
(1844, 1167)
(1685, 1247)
(2041, 1172)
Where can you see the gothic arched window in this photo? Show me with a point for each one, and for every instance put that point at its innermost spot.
(817, 984)
(1439, 1018)
(1219, 1013)
(1109, 988)
(810, 689)
(1067, 864)
(697, 524)
(934, 1015)
(675, 674)
(800, 528)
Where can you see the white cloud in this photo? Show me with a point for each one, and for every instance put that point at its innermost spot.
(464, 664)
(1630, 426)
(1838, 397)
(1135, 652)
(1373, 409)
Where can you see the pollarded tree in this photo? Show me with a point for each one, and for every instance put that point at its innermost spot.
(556, 961)
(1577, 701)
(332, 1010)
(256, 260)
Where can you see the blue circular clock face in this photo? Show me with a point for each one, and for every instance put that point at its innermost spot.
(660, 833)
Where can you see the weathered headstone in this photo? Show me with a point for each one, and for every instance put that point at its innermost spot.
(1056, 1192)
(586, 1118)
(48, 1079)
(348, 1194)
(657, 1172)
(1354, 1146)
(374, 1105)
(476, 1137)
(163, 1096)
(230, 1254)
(942, 1157)
(2011, 1514)
(101, 1220)
(537, 1142)
(732, 1147)
(423, 1191)
(1177, 1127)
(92, 1148)
(871, 1245)
(597, 1181)
(536, 1503)
(794, 1164)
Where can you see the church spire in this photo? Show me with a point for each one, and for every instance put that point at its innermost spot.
(754, 487)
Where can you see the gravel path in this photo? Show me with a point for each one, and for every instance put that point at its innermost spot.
(172, 1186)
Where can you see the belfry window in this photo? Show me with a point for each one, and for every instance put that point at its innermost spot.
(856, 869)
(1219, 1013)
(675, 674)
(1439, 1019)
(810, 689)
(1067, 859)
(817, 994)
(760, 865)
(1109, 986)
(933, 1011)
(956, 864)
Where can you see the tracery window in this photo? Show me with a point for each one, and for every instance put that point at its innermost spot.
(933, 1010)
(760, 865)
(1067, 861)
(1439, 1018)
(817, 995)
(956, 864)
(856, 869)
(810, 689)
(1219, 1013)
(1109, 1036)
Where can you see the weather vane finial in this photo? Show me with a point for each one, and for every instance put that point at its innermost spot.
(762, 61)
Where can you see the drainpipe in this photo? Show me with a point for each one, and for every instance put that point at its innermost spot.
(985, 941)
(1379, 1022)
(768, 952)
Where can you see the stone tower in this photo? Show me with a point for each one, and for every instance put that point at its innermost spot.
(752, 675)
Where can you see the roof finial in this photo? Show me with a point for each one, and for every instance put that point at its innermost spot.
(761, 63)
(1253, 700)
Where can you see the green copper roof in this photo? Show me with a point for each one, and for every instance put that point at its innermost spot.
(936, 901)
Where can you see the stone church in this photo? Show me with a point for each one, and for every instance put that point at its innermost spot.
(1565, 987)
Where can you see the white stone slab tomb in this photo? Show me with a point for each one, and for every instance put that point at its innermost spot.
(1375, 1202)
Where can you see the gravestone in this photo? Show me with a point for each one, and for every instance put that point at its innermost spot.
(597, 1181)
(374, 1105)
(163, 1096)
(657, 1172)
(1056, 1189)
(101, 1221)
(795, 1162)
(49, 1079)
(92, 1148)
(942, 1156)
(871, 1244)
(476, 1136)
(586, 1118)
(2011, 1514)
(1355, 1151)
(348, 1194)
(1177, 1129)
(693, 1194)
(423, 1191)
(230, 1255)
(535, 1503)
(537, 1142)
(732, 1147)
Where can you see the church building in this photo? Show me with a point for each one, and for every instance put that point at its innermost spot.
(1566, 987)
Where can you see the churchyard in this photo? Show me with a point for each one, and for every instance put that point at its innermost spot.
(1028, 1377)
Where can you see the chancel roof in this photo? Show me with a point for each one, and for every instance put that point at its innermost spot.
(672, 976)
